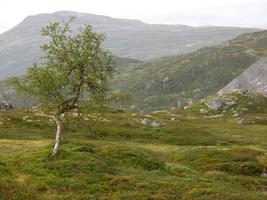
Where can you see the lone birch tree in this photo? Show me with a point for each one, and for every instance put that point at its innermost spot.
(75, 69)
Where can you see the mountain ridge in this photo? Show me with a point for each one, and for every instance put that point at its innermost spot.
(19, 47)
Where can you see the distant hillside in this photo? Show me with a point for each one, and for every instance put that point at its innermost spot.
(254, 79)
(175, 80)
(19, 47)
(124, 63)
(7, 91)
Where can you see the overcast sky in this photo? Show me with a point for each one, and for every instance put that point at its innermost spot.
(244, 13)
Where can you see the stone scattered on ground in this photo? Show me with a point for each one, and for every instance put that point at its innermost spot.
(216, 104)
(157, 124)
(219, 103)
(153, 123)
(5, 106)
(146, 121)
(243, 122)
(236, 115)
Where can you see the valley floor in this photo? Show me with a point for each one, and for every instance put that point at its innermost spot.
(114, 156)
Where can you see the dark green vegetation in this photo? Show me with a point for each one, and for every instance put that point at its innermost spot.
(111, 155)
(170, 81)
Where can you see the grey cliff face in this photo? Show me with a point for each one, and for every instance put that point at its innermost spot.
(254, 79)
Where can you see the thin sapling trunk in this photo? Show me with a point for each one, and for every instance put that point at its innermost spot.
(58, 135)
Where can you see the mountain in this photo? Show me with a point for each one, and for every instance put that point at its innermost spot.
(172, 81)
(19, 47)
(254, 79)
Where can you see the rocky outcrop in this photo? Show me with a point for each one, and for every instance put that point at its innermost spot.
(235, 104)
(253, 80)
(219, 103)
(152, 122)
(5, 106)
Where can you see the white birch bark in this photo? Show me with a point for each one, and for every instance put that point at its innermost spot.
(58, 136)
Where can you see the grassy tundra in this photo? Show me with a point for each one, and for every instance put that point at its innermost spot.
(111, 155)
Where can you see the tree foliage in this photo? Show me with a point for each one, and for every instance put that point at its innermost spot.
(75, 68)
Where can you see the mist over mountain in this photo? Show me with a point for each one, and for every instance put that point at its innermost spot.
(19, 47)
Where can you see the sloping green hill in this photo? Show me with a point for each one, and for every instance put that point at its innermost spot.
(173, 80)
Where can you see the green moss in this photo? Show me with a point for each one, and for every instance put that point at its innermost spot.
(137, 159)
(243, 168)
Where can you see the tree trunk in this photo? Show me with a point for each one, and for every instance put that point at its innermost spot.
(58, 135)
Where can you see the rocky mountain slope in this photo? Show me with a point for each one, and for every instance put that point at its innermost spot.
(19, 47)
(254, 79)
(180, 79)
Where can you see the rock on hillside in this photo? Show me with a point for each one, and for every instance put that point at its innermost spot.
(19, 47)
(235, 103)
(5, 106)
(254, 79)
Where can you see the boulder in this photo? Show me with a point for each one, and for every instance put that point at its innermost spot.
(243, 122)
(153, 123)
(220, 103)
(215, 104)
(5, 106)
(146, 121)
(157, 124)
(236, 115)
